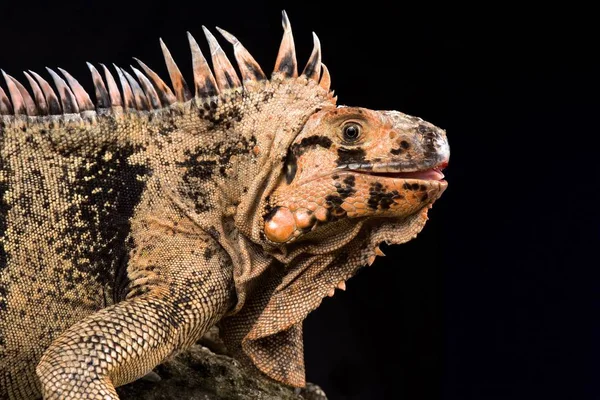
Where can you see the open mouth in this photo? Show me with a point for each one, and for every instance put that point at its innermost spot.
(431, 174)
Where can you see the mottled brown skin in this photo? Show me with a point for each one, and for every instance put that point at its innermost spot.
(126, 234)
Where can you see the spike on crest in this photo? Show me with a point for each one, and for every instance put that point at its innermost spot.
(204, 80)
(67, 98)
(148, 88)
(224, 72)
(313, 66)
(140, 97)
(29, 105)
(128, 99)
(38, 95)
(286, 63)
(325, 81)
(113, 89)
(15, 96)
(102, 98)
(54, 106)
(5, 105)
(164, 91)
(83, 99)
(248, 66)
(181, 88)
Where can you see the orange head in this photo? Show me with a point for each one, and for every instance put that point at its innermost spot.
(352, 162)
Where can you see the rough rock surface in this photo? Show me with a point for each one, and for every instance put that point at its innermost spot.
(199, 374)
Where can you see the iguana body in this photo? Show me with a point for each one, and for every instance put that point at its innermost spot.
(128, 228)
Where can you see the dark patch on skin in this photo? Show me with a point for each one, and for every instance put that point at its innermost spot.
(3, 295)
(287, 65)
(270, 213)
(311, 141)
(334, 207)
(105, 202)
(380, 198)
(291, 166)
(351, 156)
(404, 146)
(346, 190)
(201, 164)
(214, 233)
(4, 208)
(267, 96)
(208, 253)
(350, 180)
(121, 278)
(243, 146)
(226, 118)
(429, 141)
(333, 201)
(196, 170)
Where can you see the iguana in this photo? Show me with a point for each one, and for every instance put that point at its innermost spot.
(130, 226)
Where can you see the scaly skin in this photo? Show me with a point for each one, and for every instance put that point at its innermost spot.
(332, 177)
(127, 231)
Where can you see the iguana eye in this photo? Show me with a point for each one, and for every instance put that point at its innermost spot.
(351, 132)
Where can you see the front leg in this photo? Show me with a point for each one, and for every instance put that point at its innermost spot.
(180, 286)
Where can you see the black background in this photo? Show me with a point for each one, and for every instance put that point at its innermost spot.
(498, 297)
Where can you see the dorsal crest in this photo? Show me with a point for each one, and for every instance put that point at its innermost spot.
(142, 91)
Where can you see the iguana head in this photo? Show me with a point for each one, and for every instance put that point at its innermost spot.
(355, 163)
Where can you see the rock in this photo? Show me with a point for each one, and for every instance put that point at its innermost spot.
(199, 374)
